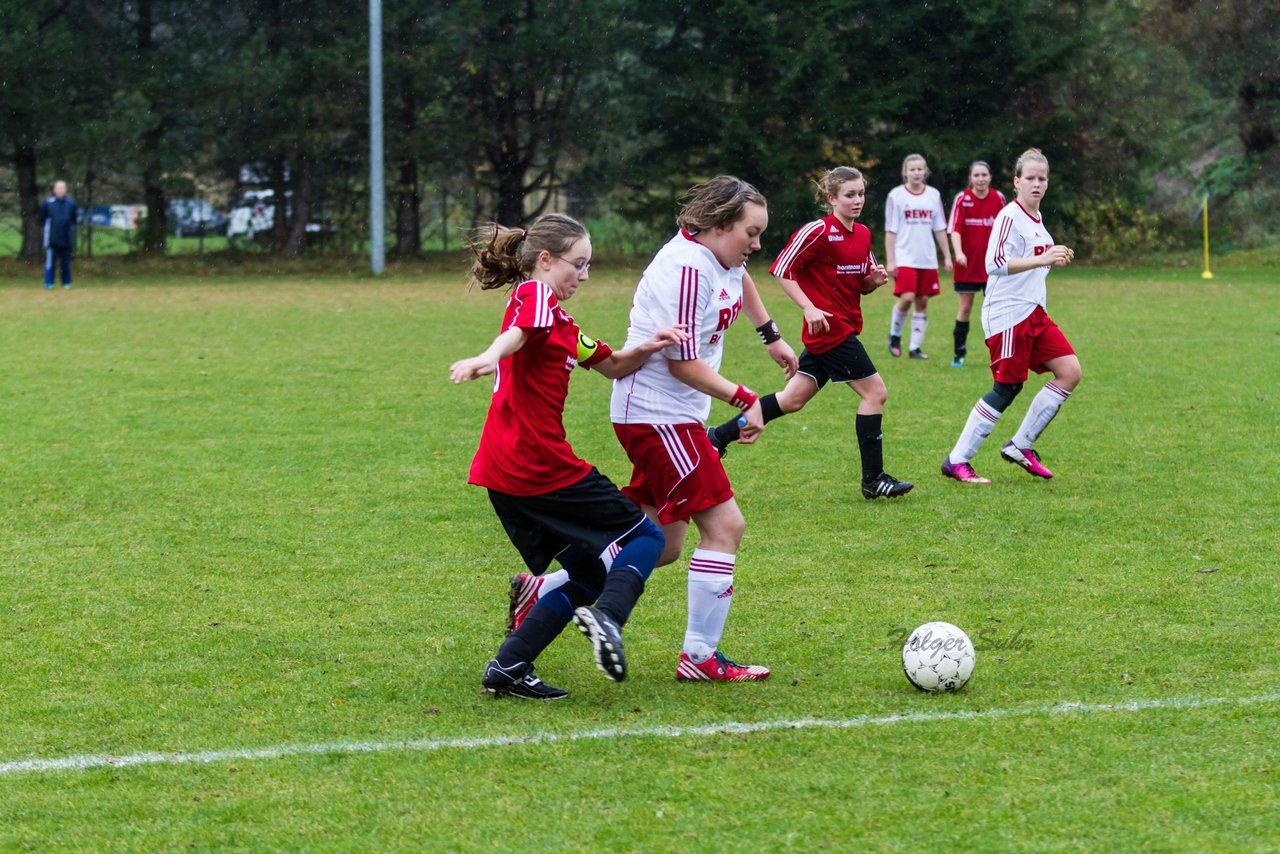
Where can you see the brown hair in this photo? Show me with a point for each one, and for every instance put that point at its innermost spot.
(504, 256)
(829, 184)
(718, 203)
(911, 157)
(974, 165)
(1029, 155)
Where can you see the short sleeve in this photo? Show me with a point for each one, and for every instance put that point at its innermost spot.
(689, 295)
(939, 215)
(955, 214)
(591, 351)
(1005, 244)
(892, 213)
(799, 250)
(533, 306)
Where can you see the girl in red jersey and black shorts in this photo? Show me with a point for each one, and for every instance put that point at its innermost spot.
(1021, 336)
(553, 505)
(972, 214)
(826, 269)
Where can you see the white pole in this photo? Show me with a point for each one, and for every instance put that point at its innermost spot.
(377, 190)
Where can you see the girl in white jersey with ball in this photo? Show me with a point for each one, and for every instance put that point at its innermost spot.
(1020, 334)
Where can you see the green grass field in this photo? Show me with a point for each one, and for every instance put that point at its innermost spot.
(235, 517)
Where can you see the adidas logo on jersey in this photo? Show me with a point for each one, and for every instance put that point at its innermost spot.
(724, 294)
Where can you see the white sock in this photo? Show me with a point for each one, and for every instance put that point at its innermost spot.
(899, 321)
(1043, 408)
(552, 580)
(710, 594)
(919, 323)
(982, 420)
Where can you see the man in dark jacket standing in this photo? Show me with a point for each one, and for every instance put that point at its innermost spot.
(58, 219)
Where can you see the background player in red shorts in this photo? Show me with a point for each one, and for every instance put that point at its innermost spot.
(697, 279)
(1020, 335)
(973, 213)
(553, 505)
(826, 268)
(915, 228)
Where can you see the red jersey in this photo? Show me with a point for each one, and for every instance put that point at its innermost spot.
(828, 261)
(972, 218)
(523, 449)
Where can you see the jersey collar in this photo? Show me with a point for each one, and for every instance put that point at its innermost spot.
(689, 236)
(1034, 219)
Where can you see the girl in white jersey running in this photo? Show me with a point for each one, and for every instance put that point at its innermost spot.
(659, 412)
(1020, 335)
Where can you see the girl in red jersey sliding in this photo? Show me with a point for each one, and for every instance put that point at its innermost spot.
(553, 505)
(826, 268)
(1020, 334)
(972, 214)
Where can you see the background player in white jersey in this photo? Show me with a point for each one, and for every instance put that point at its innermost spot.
(826, 269)
(1020, 335)
(973, 213)
(915, 229)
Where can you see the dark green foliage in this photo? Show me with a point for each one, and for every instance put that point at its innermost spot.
(611, 109)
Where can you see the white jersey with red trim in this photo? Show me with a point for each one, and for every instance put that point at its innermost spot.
(684, 283)
(914, 217)
(1010, 299)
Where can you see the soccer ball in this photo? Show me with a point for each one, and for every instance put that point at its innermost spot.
(938, 657)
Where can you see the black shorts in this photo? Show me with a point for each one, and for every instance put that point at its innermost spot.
(970, 287)
(592, 513)
(846, 362)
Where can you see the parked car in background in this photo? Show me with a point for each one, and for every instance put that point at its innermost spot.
(255, 214)
(252, 214)
(189, 217)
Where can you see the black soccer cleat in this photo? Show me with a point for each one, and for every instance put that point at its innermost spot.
(895, 346)
(518, 681)
(606, 640)
(885, 485)
(720, 447)
(917, 353)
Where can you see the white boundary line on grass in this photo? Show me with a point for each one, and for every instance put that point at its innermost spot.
(87, 762)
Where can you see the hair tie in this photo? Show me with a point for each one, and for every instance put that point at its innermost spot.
(524, 234)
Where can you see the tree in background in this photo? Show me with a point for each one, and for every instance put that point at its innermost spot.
(40, 54)
(519, 80)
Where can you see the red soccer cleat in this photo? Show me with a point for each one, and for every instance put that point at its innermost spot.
(717, 668)
(962, 472)
(1026, 458)
(523, 595)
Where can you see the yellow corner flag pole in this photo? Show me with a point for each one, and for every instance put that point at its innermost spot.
(1207, 274)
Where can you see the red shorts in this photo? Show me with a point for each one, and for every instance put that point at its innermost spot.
(674, 468)
(912, 280)
(1030, 344)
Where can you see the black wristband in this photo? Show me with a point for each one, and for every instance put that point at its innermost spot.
(769, 332)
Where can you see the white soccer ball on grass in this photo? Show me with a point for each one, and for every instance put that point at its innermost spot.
(938, 657)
